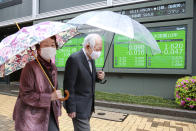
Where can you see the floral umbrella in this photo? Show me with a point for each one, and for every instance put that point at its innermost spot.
(15, 49)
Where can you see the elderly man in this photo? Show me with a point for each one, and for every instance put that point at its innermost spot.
(79, 78)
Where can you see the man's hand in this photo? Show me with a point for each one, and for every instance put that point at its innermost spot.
(101, 75)
(72, 115)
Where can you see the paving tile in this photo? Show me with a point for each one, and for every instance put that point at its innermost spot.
(154, 124)
(172, 129)
(181, 124)
(179, 129)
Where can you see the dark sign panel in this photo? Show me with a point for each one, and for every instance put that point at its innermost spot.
(160, 10)
(7, 3)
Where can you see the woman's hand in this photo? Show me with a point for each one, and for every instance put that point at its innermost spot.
(59, 94)
(56, 95)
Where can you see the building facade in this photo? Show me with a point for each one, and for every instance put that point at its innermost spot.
(130, 69)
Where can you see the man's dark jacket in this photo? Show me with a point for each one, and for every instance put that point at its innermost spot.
(80, 83)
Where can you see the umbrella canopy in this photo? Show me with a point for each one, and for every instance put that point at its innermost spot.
(117, 23)
(15, 52)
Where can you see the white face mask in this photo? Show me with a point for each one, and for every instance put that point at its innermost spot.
(48, 52)
(95, 54)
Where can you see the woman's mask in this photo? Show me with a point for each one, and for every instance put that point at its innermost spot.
(48, 52)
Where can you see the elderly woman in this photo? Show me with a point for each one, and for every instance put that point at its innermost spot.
(37, 107)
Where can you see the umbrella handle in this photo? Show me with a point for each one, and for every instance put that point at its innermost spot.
(103, 82)
(67, 96)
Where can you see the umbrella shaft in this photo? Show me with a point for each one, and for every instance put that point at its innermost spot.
(109, 47)
(108, 51)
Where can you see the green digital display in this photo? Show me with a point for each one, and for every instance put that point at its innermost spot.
(74, 45)
(129, 55)
(132, 54)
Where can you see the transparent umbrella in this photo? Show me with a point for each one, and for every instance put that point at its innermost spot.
(116, 23)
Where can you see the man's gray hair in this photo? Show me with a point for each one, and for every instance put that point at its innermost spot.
(90, 39)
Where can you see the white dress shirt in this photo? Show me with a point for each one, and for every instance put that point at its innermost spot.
(88, 59)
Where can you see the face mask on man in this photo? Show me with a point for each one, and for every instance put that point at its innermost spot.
(48, 53)
(95, 54)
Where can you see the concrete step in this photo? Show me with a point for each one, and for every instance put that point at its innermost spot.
(149, 109)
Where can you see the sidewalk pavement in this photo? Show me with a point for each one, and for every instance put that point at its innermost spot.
(131, 123)
(12, 89)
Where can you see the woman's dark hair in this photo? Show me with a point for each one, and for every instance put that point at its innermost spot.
(52, 37)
